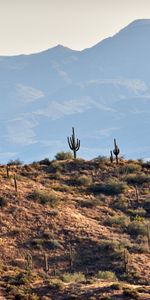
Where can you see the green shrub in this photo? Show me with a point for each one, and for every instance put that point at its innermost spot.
(90, 203)
(73, 277)
(108, 275)
(112, 188)
(101, 159)
(45, 197)
(56, 166)
(51, 244)
(64, 155)
(83, 180)
(55, 283)
(136, 228)
(129, 168)
(15, 162)
(128, 292)
(118, 221)
(140, 212)
(45, 162)
(139, 179)
(121, 202)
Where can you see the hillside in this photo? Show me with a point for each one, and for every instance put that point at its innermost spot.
(102, 91)
(89, 222)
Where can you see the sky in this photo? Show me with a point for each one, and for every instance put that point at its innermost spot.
(28, 26)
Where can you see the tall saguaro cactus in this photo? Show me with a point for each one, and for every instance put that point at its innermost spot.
(111, 157)
(46, 264)
(116, 151)
(126, 260)
(74, 143)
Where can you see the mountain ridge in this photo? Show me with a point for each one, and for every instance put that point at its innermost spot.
(43, 94)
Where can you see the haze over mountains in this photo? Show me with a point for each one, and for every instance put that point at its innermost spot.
(103, 91)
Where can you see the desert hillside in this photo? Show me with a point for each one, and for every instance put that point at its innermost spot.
(75, 229)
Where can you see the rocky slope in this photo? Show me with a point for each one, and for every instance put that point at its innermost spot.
(75, 230)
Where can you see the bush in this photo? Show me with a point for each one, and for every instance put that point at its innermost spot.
(83, 180)
(55, 283)
(135, 179)
(64, 155)
(121, 202)
(129, 168)
(3, 202)
(15, 162)
(101, 159)
(51, 244)
(136, 228)
(90, 203)
(45, 162)
(117, 221)
(44, 197)
(108, 275)
(73, 277)
(140, 212)
(110, 189)
(131, 293)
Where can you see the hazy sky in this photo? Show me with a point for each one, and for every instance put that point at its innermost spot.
(28, 26)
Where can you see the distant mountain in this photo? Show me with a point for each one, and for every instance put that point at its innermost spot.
(103, 91)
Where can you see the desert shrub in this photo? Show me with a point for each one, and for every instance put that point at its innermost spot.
(140, 212)
(63, 155)
(118, 221)
(128, 292)
(45, 162)
(139, 179)
(3, 202)
(129, 168)
(56, 166)
(73, 277)
(51, 244)
(101, 159)
(61, 187)
(57, 175)
(45, 197)
(90, 203)
(108, 275)
(15, 162)
(111, 248)
(121, 203)
(136, 228)
(83, 180)
(55, 283)
(111, 188)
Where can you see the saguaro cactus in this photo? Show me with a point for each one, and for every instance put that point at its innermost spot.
(15, 183)
(70, 256)
(148, 235)
(116, 151)
(126, 260)
(111, 157)
(28, 265)
(73, 143)
(7, 171)
(45, 264)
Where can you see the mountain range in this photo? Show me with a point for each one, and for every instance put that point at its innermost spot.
(103, 91)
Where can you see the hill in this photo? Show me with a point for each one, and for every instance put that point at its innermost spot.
(75, 229)
(103, 91)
